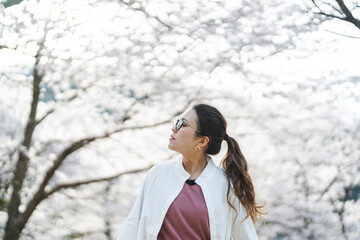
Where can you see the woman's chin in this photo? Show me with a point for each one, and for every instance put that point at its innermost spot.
(171, 146)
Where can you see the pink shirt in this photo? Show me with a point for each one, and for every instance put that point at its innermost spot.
(187, 217)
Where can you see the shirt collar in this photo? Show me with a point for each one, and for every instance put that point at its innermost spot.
(205, 175)
(180, 170)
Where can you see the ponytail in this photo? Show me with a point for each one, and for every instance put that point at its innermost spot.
(239, 181)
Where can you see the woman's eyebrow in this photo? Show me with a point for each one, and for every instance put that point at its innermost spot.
(185, 119)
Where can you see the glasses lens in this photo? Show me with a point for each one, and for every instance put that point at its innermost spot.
(178, 124)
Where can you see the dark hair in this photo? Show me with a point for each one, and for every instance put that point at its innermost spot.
(212, 124)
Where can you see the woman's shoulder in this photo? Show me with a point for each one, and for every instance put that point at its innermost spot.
(163, 166)
(219, 172)
(161, 171)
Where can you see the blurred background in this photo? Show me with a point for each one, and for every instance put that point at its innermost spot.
(89, 90)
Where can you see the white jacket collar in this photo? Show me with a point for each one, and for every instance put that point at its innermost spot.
(205, 175)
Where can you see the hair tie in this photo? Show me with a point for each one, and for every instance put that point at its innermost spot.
(226, 137)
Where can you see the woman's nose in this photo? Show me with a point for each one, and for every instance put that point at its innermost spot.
(173, 129)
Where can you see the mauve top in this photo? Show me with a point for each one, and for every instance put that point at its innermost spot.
(187, 217)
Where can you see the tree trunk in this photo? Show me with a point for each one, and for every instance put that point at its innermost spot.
(15, 222)
(13, 229)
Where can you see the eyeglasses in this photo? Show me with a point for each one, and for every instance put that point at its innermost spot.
(180, 122)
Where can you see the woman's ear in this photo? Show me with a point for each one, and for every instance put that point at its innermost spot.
(204, 141)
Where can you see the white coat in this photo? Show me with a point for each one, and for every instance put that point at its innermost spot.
(162, 185)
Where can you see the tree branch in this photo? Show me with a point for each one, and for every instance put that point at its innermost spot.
(329, 185)
(330, 5)
(6, 47)
(331, 16)
(147, 14)
(344, 11)
(43, 117)
(349, 17)
(347, 190)
(79, 183)
(343, 35)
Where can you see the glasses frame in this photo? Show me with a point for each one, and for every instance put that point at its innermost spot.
(180, 120)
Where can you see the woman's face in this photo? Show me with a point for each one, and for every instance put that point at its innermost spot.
(184, 140)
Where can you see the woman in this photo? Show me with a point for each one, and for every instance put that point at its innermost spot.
(192, 199)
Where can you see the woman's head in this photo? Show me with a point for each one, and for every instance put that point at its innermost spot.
(183, 139)
(201, 127)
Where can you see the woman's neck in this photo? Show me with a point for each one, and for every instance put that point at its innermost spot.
(194, 165)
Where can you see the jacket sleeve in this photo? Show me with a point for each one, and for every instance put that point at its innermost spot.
(131, 225)
(243, 229)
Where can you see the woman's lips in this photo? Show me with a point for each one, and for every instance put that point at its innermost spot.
(171, 138)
